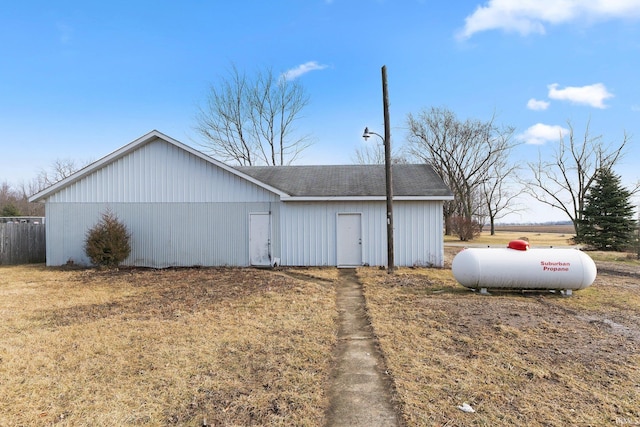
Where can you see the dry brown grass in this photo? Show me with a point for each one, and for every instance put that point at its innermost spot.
(535, 238)
(253, 347)
(537, 228)
(533, 359)
(618, 257)
(164, 347)
(539, 236)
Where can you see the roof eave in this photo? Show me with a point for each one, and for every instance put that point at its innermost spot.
(361, 198)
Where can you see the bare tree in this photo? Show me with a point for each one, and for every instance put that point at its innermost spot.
(19, 196)
(7, 197)
(14, 200)
(563, 179)
(250, 120)
(59, 170)
(463, 154)
(373, 154)
(370, 154)
(25, 191)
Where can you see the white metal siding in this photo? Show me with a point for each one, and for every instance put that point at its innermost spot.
(182, 210)
(162, 234)
(308, 233)
(161, 172)
(418, 236)
(217, 234)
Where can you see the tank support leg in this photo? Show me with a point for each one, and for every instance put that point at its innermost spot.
(483, 291)
(567, 292)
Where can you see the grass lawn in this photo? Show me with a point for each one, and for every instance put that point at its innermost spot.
(529, 359)
(164, 347)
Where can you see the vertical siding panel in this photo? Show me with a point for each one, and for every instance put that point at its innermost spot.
(163, 235)
(309, 232)
(401, 216)
(160, 172)
(167, 234)
(418, 227)
(127, 186)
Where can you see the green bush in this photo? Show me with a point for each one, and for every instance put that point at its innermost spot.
(10, 210)
(107, 242)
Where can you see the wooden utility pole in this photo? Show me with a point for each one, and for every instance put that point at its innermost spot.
(388, 175)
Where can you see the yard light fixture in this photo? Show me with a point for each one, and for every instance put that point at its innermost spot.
(367, 134)
(386, 140)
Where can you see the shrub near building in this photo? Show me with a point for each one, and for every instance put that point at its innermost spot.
(107, 243)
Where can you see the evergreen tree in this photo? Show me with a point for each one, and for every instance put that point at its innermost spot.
(10, 210)
(607, 222)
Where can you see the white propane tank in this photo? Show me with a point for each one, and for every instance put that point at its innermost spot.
(519, 267)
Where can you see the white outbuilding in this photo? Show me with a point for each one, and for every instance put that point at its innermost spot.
(184, 208)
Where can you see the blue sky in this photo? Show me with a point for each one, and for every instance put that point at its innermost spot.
(80, 79)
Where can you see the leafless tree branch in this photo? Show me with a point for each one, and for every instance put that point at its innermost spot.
(250, 120)
(464, 154)
(562, 180)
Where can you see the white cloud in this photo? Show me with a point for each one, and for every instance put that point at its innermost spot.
(540, 134)
(301, 69)
(530, 16)
(592, 95)
(537, 105)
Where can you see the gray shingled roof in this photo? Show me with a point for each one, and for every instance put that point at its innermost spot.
(349, 180)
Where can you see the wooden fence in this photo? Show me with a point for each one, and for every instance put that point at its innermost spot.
(22, 243)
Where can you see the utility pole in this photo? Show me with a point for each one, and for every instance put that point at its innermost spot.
(388, 174)
(386, 140)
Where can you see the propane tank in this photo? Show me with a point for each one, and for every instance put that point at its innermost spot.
(519, 267)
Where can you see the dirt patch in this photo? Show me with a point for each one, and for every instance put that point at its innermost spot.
(517, 358)
(618, 269)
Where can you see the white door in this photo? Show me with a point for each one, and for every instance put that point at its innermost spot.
(260, 239)
(349, 250)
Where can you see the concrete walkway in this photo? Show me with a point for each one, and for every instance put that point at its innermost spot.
(360, 393)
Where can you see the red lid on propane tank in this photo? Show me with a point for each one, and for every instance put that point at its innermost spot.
(519, 245)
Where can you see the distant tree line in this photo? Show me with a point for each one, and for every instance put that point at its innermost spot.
(14, 199)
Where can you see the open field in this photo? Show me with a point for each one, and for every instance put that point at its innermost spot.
(529, 359)
(537, 228)
(538, 235)
(164, 347)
